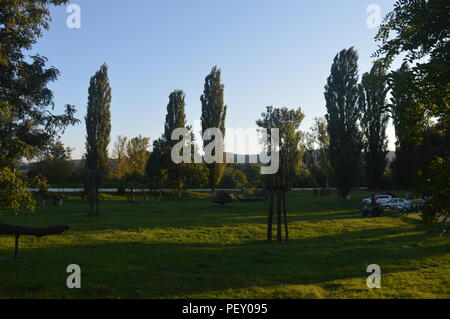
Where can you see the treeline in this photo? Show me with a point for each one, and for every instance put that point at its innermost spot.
(346, 148)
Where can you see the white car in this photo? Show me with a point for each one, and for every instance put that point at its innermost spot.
(379, 199)
(397, 203)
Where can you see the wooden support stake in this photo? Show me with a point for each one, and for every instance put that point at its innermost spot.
(16, 247)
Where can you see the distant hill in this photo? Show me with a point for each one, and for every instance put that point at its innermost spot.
(242, 159)
(238, 159)
(26, 166)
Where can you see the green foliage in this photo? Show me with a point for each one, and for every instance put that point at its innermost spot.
(374, 120)
(213, 115)
(14, 194)
(120, 167)
(288, 122)
(21, 24)
(419, 28)
(26, 103)
(316, 155)
(341, 95)
(156, 171)
(27, 123)
(175, 118)
(98, 127)
(196, 175)
(137, 155)
(410, 120)
(437, 184)
(54, 165)
(98, 122)
(233, 178)
(252, 172)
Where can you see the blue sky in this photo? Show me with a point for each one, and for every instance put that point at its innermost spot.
(271, 53)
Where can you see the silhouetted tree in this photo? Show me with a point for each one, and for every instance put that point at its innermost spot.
(374, 120)
(419, 29)
(341, 95)
(409, 122)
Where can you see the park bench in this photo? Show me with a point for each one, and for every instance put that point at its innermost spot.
(222, 198)
(252, 197)
(18, 231)
(55, 199)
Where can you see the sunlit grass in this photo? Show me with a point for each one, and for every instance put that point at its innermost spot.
(193, 248)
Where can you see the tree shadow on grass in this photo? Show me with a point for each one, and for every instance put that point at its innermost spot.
(137, 269)
(121, 215)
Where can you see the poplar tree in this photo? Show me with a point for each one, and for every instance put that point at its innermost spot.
(374, 120)
(98, 127)
(213, 116)
(341, 95)
(175, 118)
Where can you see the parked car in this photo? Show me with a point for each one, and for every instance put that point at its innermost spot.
(418, 202)
(379, 199)
(397, 204)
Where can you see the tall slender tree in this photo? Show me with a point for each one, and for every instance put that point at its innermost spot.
(213, 116)
(175, 118)
(341, 95)
(98, 127)
(374, 120)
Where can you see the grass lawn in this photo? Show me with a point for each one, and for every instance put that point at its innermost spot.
(193, 249)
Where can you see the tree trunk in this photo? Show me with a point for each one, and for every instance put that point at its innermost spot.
(285, 218)
(279, 235)
(91, 193)
(97, 212)
(131, 194)
(270, 220)
(97, 193)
